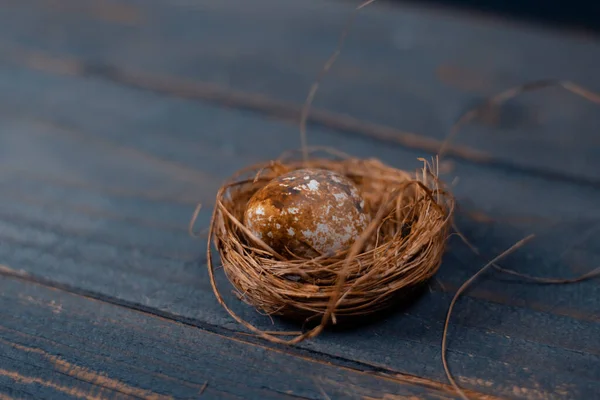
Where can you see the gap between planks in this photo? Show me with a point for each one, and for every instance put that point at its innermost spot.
(302, 353)
(171, 86)
(443, 286)
(81, 374)
(84, 372)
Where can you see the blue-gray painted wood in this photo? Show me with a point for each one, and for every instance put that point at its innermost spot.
(98, 180)
(97, 194)
(89, 349)
(408, 68)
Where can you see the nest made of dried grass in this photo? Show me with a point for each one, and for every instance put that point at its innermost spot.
(400, 250)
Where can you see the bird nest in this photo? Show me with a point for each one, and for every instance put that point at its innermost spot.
(400, 250)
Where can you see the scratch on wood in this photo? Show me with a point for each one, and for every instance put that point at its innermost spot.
(437, 391)
(208, 91)
(54, 307)
(448, 388)
(95, 212)
(463, 79)
(157, 196)
(104, 10)
(89, 376)
(477, 382)
(531, 393)
(479, 216)
(564, 390)
(40, 62)
(193, 89)
(323, 392)
(500, 298)
(396, 377)
(400, 378)
(102, 380)
(26, 336)
(147, 249)
(515, 219)
(178, 171)
(569, 312)
(203, 388)
(7, 270)
(27, 380)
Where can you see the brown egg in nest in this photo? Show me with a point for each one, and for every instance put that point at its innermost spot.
(307, 212)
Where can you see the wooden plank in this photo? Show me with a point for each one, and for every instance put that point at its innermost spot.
(75, 172)
(409, 68)
(55, 344)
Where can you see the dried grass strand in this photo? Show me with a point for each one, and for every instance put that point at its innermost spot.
(354, 251)
(511, 93)
(588, 275)
(193, 221)
(203, 389)
(464, 287)
(469, 116)
(315, 86)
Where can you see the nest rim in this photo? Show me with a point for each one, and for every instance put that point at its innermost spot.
(359, 280)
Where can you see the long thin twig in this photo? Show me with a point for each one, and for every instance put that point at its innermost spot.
(455, 298)
(468, 117)
(588, 275)
(315, 86)
(511, 93)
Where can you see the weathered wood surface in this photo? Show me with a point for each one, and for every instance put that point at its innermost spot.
(114, 352)
(112, 129)
(409, 70)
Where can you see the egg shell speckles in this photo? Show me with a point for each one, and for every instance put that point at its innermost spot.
(307, 209)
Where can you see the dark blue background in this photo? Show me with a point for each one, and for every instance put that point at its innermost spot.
(579, 14)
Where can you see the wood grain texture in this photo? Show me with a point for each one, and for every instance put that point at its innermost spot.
(96, 192)
(405, 70)
(112, 127)
(93, 350)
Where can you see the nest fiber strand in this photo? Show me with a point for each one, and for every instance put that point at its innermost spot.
(399, 251)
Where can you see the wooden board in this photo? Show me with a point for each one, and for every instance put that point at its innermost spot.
(407, 72)
(99, 176)
(114, 352)
(65, 217)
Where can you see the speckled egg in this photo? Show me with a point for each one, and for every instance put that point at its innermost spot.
(307, 212)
